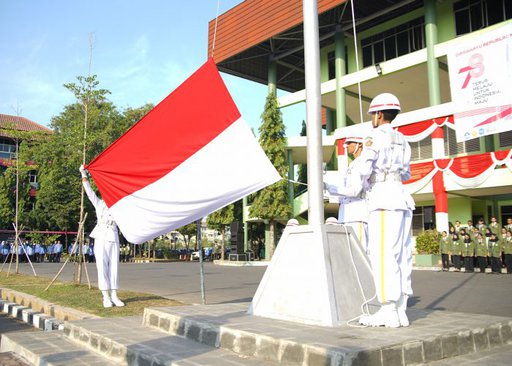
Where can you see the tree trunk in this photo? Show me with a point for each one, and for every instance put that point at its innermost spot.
(222, 245)
(272, 238)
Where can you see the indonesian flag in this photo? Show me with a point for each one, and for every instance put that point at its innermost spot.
(189, 156)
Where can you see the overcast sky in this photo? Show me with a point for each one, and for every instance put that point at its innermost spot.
(142, 51)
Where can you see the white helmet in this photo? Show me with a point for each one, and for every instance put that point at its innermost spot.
(384, 101)
(357, 139)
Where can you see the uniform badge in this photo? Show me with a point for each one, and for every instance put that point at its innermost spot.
(368, 142)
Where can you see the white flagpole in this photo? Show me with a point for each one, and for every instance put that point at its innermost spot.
(313, 112)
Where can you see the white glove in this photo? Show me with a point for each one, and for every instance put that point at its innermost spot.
(83, 172)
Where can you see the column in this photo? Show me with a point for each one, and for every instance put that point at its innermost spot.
(434, 91)
(340, 67)
(440, 196)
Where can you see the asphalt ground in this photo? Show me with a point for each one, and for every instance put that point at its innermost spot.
(452, 291)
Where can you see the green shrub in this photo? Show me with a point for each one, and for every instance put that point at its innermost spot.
(428, 242)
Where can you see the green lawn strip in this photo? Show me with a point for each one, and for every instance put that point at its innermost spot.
(82, 298)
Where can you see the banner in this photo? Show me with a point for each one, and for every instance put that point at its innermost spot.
(480, 71)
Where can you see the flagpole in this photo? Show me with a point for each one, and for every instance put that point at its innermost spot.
(201, 267)
(313, 112)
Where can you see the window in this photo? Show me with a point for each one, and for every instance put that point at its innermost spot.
(423, 218)
(505, 139)
(7, 148)
(452, 147)
(472, 15)
(331, 64)
(398, 41)
(421, 150)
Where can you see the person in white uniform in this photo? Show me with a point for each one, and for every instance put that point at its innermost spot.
(353, 211)
(385, 164)
(106, 246)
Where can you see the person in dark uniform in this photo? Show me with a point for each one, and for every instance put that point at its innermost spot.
(457, 249)
(495, 254)
(481, 251)
(468, 251)
(444, 248)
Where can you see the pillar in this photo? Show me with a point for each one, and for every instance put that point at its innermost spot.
(340, 67)
(440, 196)
(434, 90)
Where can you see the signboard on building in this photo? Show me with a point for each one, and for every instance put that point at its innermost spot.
(481, 84)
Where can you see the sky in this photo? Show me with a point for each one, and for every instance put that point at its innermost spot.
(141, 51)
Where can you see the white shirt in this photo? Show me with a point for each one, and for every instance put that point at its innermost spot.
(106, 227)
(385, 163)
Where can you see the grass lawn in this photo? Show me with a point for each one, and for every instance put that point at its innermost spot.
(81, 298)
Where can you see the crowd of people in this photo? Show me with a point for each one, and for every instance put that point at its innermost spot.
(39, 253)
(53, 253)
(477, 246)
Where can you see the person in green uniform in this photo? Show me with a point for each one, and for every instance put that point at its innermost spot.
(481, 251)
(468, 251)
(506, 243)
(494, 225)
(444, 249)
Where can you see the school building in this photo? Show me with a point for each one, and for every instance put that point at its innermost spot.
(401, 47)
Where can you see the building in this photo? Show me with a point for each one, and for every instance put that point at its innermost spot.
(402, 48)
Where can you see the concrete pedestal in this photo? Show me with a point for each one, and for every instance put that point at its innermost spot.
(319, 275)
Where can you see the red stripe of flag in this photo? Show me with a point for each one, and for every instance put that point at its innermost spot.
(183, 123)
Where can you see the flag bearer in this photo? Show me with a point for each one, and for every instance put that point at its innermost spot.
(106, 246)
(385, 165)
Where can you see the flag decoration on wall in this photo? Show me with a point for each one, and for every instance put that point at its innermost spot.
(189, 156)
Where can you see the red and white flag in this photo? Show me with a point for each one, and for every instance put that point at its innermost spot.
(189, 156)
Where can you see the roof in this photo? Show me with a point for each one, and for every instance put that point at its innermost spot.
(22, 124)
(255, 31)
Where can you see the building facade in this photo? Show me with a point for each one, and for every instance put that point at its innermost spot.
(400, 47)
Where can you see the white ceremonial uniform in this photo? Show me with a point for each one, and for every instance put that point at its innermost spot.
(385, 163)
(106, 242)
(353, 211)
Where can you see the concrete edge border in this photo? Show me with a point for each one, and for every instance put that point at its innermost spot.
(38, 312)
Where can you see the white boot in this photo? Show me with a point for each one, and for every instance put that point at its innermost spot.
(401, 308)
(386, 316)
(115, 299)
(107, 303)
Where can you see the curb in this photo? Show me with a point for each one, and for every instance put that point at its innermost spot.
(41, 314)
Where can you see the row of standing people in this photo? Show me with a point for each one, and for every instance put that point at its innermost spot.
(39, 253)
(477, 247)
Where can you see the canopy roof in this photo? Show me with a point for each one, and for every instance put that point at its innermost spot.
(256, 31)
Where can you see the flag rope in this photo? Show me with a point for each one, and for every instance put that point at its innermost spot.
(357, 61)
(215, 28)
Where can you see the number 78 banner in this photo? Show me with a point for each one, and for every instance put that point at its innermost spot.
(481, 84)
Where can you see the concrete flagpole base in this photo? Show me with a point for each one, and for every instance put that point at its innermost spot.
(319, 275)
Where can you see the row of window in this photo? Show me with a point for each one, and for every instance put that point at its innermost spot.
(422, 150)
(470, 16)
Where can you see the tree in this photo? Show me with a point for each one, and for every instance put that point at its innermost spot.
(188, 231)
(218, 220)
(271, 202)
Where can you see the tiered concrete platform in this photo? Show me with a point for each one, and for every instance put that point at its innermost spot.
(225, 335)
(432, 336)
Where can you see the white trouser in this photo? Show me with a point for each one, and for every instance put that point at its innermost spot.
(107, 259)
(361, 230)
(390, 253)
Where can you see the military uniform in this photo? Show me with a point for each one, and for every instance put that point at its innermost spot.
(353, 211)
(506, 243)
(481, 251)
(444, 249)
(456, 250)
(495, 254)
(468, 251)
